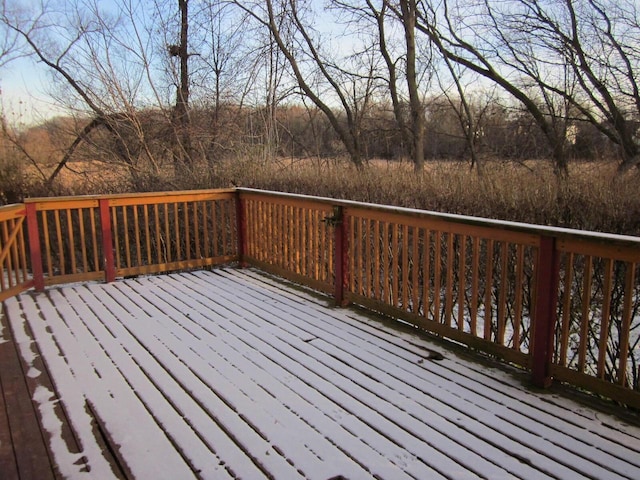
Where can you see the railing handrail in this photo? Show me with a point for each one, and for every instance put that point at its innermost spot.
(116, 196)
(10, 211)
(521, 227)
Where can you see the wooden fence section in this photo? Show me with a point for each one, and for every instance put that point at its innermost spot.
(597, 331)
(65, 240)
(173, 231)
(15, 276)
(290, 236)
(88, 238)
(464, 282)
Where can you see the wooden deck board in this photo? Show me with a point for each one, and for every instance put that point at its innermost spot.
(234, 374)
(403, 378)
(23, 450)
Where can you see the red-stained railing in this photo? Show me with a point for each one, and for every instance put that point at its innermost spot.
(564, 304)
(15, 276)
(104, 237)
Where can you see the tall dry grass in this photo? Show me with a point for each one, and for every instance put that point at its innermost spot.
(593, 197)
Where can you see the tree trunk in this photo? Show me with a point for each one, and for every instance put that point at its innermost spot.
(408, 8)
(181, 112)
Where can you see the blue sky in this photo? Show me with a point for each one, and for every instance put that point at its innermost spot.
(26, 87)
(25, 98)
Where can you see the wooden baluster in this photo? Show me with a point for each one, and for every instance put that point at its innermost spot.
(107, 240)
(488, 291)
(519, 293)
(449, 280)
(462, 280)
(627, 309)
(475, 286)
(604, 320)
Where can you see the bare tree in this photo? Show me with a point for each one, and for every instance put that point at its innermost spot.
(409, 13)
(181, 111)
(71, 42)
(311, 69)
(454, 28)
(381, 16)
(598, 41)
(470, 105)
(274, 73)
(401, 59)
(567, 62)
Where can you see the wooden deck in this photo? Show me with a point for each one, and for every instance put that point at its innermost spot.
(233, 374)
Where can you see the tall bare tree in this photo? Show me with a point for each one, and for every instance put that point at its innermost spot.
(471, 35)
(181, 112)
(403, 73)
(321, 73)
(597, 41)
(409, 13)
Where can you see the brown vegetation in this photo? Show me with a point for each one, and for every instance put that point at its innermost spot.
(594, 198)
(232, 148)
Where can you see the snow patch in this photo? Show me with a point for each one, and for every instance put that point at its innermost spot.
(25, 345)
(71, 465)
(2, 337)
(90, 462)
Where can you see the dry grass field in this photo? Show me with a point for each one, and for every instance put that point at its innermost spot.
(593, 197)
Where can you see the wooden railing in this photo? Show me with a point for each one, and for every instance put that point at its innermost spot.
(463, 281)
(89, 238)
(564, 304)
(160, 232)
(290, 238)
(597, 328)
(15, 276)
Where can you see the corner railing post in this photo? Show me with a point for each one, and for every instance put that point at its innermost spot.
(107, 241)
(341, 255)
(35, 253)
(545, 313)
(241, 228)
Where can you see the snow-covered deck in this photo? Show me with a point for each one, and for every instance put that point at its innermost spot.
(233, 374)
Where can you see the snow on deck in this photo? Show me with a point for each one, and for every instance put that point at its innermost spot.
(232, 374)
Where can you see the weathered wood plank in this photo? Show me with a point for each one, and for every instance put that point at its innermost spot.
(8, 357)
(23, 452)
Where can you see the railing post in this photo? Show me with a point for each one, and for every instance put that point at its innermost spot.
(545, 313)
(107, 241)
(340, 256)
(35, 254)
(241, 228)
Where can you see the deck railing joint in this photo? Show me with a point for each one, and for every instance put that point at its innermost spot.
(545, 311)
